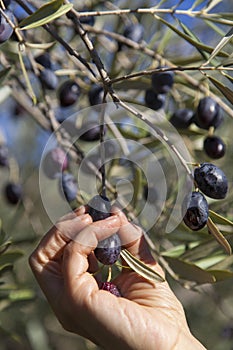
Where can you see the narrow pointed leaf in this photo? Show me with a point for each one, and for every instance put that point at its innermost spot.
(10, 257)
(22, 294)
(5, 268)
(221, 275)
(190, 272)
(140, 268)
(216, 28)
(228, 77)
(197, 3)
(193, 42)
(200, 251)
(224, 264)
(220, 45)
(3, 74)
(4, 247)
(212, 4)
(40, 46)
(26, 77)
(175, 252)
(45, 14)
(219, 219)
(192, 35)
(228, 93)
(218, 236)
(61, 72)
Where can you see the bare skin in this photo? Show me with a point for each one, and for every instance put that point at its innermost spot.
(148, 316)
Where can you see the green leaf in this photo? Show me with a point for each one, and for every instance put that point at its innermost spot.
(133, 84)
(192, 41)
(45, 14)
(3, 74)
(219, 219)
(3, 236)
(10, 257)
(228, 93)
(140, 268)
(197, 3)
(68, 71)
(5, 268)
(165, 40)
(4, 246)
(188, 271)
(194, 37)
(218, 236)
(210, 261)
(26, 77)
(216, 28)
(21, 295)
(175, 252)
(212, 4)
(221, 275)
(40, 46)
(224, 264)
(220, 45)
(200, 251)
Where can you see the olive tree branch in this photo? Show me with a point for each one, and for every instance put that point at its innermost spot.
(57, 37)
(154, 10)
(74, 16)
(180, 71)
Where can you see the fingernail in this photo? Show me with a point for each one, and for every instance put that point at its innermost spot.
(82, 217)
(112, 218)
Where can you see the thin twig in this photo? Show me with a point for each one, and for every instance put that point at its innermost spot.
(57, 37)
(151, 53)
(73, 15)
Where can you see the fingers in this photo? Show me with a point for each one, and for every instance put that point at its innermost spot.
(75, 258)
(132, 238)
(52, 244)
(77, 212)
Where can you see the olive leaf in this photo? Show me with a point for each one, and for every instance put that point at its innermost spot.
(200, 251)
(4, 73)
(45, 14)
(40, 46)
(5, 268)
(224, 89)
(189, 271)
(10, 257)
(224, 264)
(196, 3)
(220, 45)
(192, 41)
(193, 36)
(221, 275)
(26, 77)
(21, 295)
(219, 219)
(212, 4)
(218, 236)
(140, 268)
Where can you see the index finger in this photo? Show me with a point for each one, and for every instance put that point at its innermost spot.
(52, 244)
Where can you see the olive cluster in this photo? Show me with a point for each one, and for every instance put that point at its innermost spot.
(212, 182)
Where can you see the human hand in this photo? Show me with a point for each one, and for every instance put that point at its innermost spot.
(148, 316)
